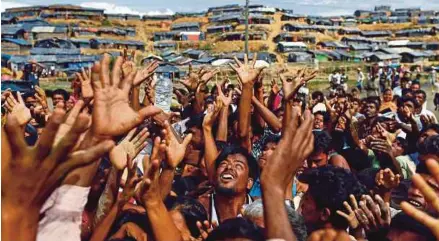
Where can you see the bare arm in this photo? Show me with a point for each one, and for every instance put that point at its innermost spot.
(268, 116)
(166, 178)
(221, 134)
(211, 152)
(135, 102)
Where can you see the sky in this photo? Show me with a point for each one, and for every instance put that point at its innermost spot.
(151, 7)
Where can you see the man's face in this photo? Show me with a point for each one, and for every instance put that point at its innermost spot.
(387, 96)
(58, 99)
(415, 87)
(370, 110)
(30, 101)
(397, 148)
(268, 150)
(310, 212)
(341, 124)
(319, 122)
(417, 199)
(232, 175)
(318, 159)
(420, 98)
(355, 106)
(425, 135)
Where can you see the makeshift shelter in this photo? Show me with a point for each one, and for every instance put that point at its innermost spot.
(15, 46)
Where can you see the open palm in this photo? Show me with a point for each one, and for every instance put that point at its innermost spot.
(112, 114)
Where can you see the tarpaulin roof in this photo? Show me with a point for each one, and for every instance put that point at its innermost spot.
(55, 51)
(20, 42)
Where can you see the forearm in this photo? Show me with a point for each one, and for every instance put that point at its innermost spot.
(221, 134)
(259, 96)
(244, 111)
(102, 229)
(166, 178)
(108, 196)
(198, 104)
(288, 115)
(85, 173)
(135, 102)
(268, 116)
(161, 222)
(19, 227)
(275, 215)
(210, 153)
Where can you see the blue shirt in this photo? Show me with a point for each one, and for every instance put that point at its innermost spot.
(256, 189)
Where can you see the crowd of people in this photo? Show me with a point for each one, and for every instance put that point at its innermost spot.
(229, 162)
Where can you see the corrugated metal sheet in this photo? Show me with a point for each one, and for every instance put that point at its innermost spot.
(11, 28)
(43, 29)
(54, 51)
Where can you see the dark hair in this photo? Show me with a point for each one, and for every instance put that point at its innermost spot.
(237, 228)
(404, 144)
(233, 149)
(430, 146)
(402, 221)
(405, 92)
(317, 95)
(422, 92)
(330, 186)
(404, 99)
(367, 177)
(374, 100)
(192, 211)
(324, 114)
(62, 92)
(322, 141)
(434, 127)
(270, 138)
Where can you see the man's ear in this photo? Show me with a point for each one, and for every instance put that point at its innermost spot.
(249, 183)
(325, 213)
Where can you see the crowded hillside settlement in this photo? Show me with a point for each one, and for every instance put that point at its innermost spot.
(118, 127)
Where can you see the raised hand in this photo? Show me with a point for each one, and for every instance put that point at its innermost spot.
(131, 182)
(85, 79)
(194, 79)
(274, 87)
(205, 229)
(128, 65)
(427, 120)
(226, 100)
(350, 216)
(112, 114)
(145, 73)
(36, 171)
(373, 215)
(17, 108)
(129, 148)
(41, 97)
(150, 189)
(298, 139)
(385, 178)
(390, 138)
(430, 195)
(247, 72)
(381, 145)
(292, 83)
(212, 114)
(174, 149)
